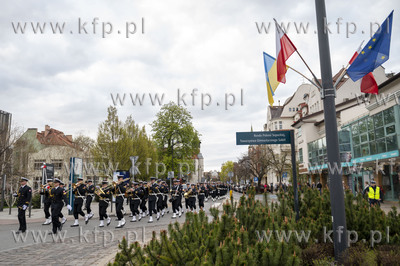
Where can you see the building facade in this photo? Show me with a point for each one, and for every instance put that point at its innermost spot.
(34, 148)
(368, 131)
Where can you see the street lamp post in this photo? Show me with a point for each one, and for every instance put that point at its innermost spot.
(328, 94)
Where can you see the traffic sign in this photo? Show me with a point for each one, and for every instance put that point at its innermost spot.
(255, 179)
(263, 137)
(170, 174)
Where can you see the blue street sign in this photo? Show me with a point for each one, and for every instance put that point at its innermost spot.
(263, 137)
(255, 179)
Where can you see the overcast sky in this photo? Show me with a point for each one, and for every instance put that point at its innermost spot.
(66, 80)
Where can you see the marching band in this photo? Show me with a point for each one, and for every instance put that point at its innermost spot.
(144, 199)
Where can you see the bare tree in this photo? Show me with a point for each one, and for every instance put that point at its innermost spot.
(279, 161)
(8, 138)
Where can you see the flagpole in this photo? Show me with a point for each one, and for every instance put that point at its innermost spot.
(312, 73)
(301, 74)
(344, 71)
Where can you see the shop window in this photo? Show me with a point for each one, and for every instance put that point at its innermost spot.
(390, 129)
(380, 145)
(391, 143)
(388, 115)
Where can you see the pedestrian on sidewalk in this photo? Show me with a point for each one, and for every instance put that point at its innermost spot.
(374, 194)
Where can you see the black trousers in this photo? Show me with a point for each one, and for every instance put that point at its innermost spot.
(134, 205)
(152, 204)
(21, 219)
(88, 202)
(187, 206)
(55, 215)
(143, 205)
(119, 202)
(201, 200)
(192, 202)
(180, 201)
(175, 205)
(78, 202)
(47, 209)
(159, 202)
(214, 194)
(103, 205)
(165, 201)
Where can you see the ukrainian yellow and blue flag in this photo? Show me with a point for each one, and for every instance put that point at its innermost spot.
(271, 75)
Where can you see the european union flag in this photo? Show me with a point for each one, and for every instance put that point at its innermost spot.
(374, 53)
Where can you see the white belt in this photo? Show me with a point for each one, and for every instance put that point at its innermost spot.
(120, 195)
(80, 197)
(90, 195)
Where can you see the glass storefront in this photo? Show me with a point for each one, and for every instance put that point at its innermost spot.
(317, 149)
(374, 134)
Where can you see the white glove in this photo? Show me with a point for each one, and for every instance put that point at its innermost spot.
(69, 207)
(24, 207)
(15, 194)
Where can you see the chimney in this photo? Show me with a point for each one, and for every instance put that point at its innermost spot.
(46, 130)
(69, 137)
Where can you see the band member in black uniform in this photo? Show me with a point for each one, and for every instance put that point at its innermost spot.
(144, 198)
(104, 199)
(79, 191)
(174, 199)
(192, 198)
(185, 190)
(135, 193)
(153, 190)
(180, 197)
(65, 199)
(57, 202)
(24, 197)
(159, 204)
(89, 197)
(201, 196)
(207, 191)
(213, 192)
(119, 192)
(165, 191)
(46, 200)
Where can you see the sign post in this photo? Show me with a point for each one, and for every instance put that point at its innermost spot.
(273, 137)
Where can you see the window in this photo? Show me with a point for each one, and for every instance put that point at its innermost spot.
(301, 155)
(317, 149)
(276, 125)
(58, 164)
(299, 132)
(375, 134)
(290, 109)
(37, 165)
(280, 124)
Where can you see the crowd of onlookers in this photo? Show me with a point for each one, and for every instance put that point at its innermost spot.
(271, 188)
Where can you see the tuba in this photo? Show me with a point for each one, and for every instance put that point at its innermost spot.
(187, 194)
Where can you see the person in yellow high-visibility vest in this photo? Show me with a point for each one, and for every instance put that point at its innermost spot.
(374, 194)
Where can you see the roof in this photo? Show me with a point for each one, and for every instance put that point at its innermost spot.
(335, 78)
(275, 111)
(51, 136)
(388, 81)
